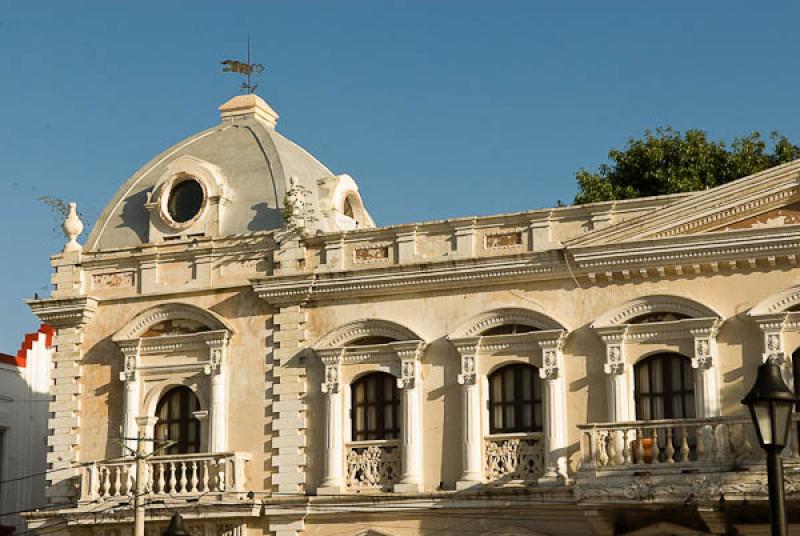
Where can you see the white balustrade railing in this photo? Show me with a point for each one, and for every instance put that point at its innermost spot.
(667, 443)
(513, 457)
(176, 475)
(373, 464)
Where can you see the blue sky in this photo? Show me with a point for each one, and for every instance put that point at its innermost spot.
(437, 108)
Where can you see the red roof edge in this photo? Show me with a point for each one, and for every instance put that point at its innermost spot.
(21, 359)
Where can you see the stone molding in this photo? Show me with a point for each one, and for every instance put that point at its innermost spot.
(712, 208)
(498, 317)
(363, 328)
(63, 313)
(653, 304)
(135, 327)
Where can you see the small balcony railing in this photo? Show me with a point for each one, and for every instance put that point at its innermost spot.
(372, 464)
(667, 445)
(177, 475)
(513, 457)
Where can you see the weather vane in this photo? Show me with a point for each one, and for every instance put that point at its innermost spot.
(246, 69)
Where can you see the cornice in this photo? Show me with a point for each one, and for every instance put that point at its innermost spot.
(66, 312)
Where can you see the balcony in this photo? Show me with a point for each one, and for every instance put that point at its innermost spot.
(184, 475)
(513, 457)
(668, 446)
(372, 465)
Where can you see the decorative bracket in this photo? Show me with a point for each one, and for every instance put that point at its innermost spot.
(216, 354)
(705, 347)
(615, 351)
(772, 326)
(130, 360)
(409, 366)
(552, 358)
(332, 375)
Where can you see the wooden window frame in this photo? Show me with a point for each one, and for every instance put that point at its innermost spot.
(670, 389)
(517, 405)
(189, 403)
(381, 405)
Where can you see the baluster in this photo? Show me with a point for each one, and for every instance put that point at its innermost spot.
(722, 443)
(656, 448)
(602, 449)
(700, 433)
(221, 475)
(612, 447)
(117, 480)
(626, 447)
(173, 481)
(129, 472)
(684, 444)
(669, 450)
(106, 481)
(194, 480)
(639, 445)
(184, 480)
(206, 468)
(162, 479)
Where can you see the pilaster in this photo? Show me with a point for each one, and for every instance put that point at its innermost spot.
(333, 479)
(620, 402)
(704, 361)
(472, 446)
(411, 435)
(555, 418)
(464, 237)
(407, 247)
(68, 317)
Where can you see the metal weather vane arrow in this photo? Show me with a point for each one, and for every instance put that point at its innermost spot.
(246, 69)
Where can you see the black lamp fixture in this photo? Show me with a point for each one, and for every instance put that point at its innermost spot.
(176, 527)
(771, 402)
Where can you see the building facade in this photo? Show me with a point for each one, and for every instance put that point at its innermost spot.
(298, 370)
(24, 399)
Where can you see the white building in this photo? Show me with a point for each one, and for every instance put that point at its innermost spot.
(574, 370)
(24, 398)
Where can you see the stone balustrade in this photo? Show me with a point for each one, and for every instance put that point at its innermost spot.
(510, 457)
(373, 464)
(669, 444)
(176, 475)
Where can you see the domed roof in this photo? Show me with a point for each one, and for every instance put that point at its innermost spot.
(243, 169)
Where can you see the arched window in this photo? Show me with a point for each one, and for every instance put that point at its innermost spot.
(376, 407)
(515, 400)
(664, 388)
(509, 329)
(176, 421)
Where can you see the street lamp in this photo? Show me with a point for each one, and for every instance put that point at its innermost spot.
(176, 527)
(771, 402)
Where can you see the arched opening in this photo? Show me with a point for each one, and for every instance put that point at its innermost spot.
(177, 425)
(347, 209)
(509, 329)
(376, 407)
(370, 340)
(664, 387)
(515, 400)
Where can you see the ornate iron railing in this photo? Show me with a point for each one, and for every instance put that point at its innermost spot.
(373, 464)
(513, 457)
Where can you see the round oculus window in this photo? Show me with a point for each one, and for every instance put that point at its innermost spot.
(185, 201)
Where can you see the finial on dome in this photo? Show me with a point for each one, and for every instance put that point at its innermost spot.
(248, 106)
(73, 227)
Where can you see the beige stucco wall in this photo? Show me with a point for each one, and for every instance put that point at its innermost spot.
(247, 358)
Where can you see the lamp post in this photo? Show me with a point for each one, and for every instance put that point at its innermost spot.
(770, 402)
(176, 527)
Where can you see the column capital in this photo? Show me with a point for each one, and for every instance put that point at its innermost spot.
(552, 358)
(130, 359)
(772, 328)
(332, 375)
(409, 372)
(216, 355)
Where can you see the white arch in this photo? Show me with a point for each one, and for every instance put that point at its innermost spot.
(139, 324)
(509, 315)
(157, 391)
(370, 327)
(777, 303)
(654, 304)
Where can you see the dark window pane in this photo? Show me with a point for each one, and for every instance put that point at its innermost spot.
(515, 400)
(177, 423)
(376, 403)
(185, 200)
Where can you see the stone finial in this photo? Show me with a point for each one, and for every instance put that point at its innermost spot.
(73, 227)
(247, 106)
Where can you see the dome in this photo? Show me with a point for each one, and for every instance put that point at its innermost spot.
(232, 179)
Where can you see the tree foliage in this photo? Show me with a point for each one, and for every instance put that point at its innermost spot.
(665, 161)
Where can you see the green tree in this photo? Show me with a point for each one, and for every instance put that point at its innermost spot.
(665, 161)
